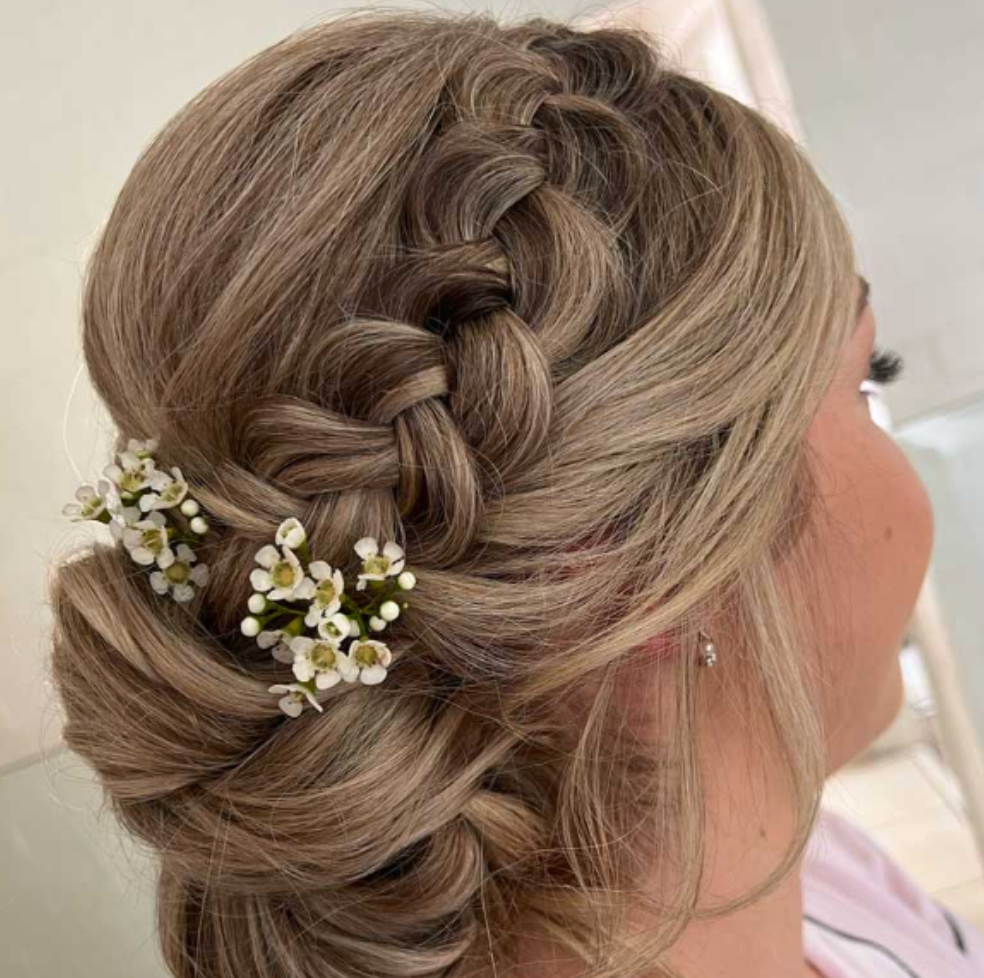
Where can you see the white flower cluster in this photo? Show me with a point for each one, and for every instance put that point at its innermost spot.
(136, 500)
(294, 594)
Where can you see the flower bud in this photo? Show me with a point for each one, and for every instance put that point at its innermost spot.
(376, 624)
(389, 610)
(257, 602)
(250, 626)
(190, 507)
(406, 580)
(199, 526)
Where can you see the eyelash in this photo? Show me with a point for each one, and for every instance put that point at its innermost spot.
(885, 367)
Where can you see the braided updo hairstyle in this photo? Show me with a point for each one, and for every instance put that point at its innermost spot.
(555, 317)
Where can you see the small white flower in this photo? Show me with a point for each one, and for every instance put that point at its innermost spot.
(132, 474)
(92, 502)
(123, 516)
(372, 658)
(147, 541)
(281, 575)
(328, 592)
(378, 566)
(291, 534)
(169, 490)
(335, 628)
(293, 703)
(321, 661)
(180, 577)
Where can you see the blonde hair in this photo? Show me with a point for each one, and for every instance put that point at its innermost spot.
(554, 316)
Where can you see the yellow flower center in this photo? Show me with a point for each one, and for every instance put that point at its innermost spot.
(92, 508)
(172, 493)
(178, 572)
(282, 574)
(326, 592)
(132, 480)
(153, 540)
(365, 654)
(377, 565)
(323, 656)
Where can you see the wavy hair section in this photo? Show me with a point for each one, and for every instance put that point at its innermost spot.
(554, 316)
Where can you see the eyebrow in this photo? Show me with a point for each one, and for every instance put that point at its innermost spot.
(865, 294)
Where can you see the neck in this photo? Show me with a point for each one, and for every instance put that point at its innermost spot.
(749, 824)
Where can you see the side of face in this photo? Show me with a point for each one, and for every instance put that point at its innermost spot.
(872, 544)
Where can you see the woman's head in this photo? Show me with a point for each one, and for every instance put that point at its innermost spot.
(559, 320)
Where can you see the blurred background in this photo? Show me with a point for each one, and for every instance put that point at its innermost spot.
(885, 97)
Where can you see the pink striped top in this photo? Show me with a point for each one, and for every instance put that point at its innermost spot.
(865, 917)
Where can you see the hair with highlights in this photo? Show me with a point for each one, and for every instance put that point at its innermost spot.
(556, 317)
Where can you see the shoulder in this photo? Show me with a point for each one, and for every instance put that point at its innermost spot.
(854, 888)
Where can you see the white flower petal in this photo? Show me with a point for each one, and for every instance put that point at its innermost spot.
(159, 479)
(260, 579)
(372, 675)
(303, 669)
(282, 653)
(267, 555)
(291, 706)
(305, 589)
(199, 574)
(302, 644)
(344, 665)
(143, 556)
(158, 582)
(319, 569)
(183, 592)
(366, 547)
(130, 514)
(325, 680)
(393, 550)
(268, 638)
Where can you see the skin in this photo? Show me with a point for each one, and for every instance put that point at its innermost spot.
(877, 541)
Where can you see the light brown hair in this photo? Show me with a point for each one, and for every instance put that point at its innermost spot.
(554, 316)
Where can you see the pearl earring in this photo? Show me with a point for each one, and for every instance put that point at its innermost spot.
(708, 651)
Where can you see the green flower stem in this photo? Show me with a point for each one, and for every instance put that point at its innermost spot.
(348, 602)
(278, 612)
(283, 607)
